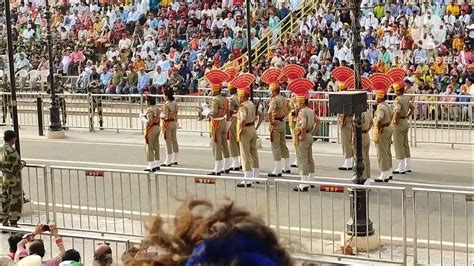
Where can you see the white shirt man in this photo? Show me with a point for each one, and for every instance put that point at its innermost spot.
(160, 78)
(28, 34)
(230, 22)
(336, 25)
(340, 52)
(125, 43)
(218, 22)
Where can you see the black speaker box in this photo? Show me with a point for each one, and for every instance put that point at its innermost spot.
(348, 102)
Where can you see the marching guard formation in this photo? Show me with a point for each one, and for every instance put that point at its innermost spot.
(235, 119)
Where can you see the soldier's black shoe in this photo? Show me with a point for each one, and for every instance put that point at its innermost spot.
(155, 169)
(389, 178)
(175, 163)
(65, 128)
(294, 165)
(398, 173)
(299, 189)
(148, 170)
(344, 168)
(274, 175)
(14, 225)
(227, 171)
(244, 184)
(286, 171)
(214, 173)
(237, 168)
(165, 165)
(408, 171)
(25, 200)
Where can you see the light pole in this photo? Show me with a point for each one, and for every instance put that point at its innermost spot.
(11, 67)
(55, 128)
(249, 45)
(359, 223)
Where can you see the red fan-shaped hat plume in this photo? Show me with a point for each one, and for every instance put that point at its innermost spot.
(292, 72)
(342, 73)
(243, 82)
(232, 72)
(366, 83)
(300, 87)
(216, 77)
(396, 74)
(380, 82)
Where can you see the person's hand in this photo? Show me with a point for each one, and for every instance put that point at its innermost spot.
(54, 230)
(38, 229)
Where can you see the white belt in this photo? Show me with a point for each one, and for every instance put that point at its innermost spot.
(218, 118)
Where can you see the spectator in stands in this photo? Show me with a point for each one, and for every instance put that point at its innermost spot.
(36, 250)
(13, 240)
(103, 255)
(143, 81)
(22, 63)
(175, 81)
(71, 257)
(227, 235)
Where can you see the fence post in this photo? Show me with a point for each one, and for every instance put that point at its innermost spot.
(46, 194)
(90, 100)
(39, 108)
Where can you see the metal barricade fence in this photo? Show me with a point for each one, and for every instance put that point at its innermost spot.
(442, 122)
(35, 187)
(443, 222)
(433, 122)
(102, 200)
(316, 222)
(85, 244)
(118, 202)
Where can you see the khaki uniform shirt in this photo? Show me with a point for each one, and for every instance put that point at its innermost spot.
(305, 121)
(401, 105)
(234, 103)
(170, 110)
(278, 108)
(247, 113)
(383, 114)
(218, 105)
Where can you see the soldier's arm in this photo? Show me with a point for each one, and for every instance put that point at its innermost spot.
(411, 109)
(14, 160)
(214, 108)
(259, 119)
(379, 115)
(271, 110)
(165, 112)
(396, 112)
(149, 118)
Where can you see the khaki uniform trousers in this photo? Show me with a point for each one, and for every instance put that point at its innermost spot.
(365, 154)
(171, 140)
(384, 153)
(304, 153)
(220, 149)
(153, 146)
(248, 148)
(346, 139)
(233, 144)
(400, 140)
(279, 149)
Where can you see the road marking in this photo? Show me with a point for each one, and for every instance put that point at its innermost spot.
(208, 148)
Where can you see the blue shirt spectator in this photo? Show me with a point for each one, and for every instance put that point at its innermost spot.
(143, 81)
(105, 77)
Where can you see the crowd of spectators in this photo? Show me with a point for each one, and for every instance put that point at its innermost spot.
(133, 48)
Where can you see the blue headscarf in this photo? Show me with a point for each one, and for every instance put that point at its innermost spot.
(246, 250)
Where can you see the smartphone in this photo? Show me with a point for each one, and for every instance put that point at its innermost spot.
(46, 228)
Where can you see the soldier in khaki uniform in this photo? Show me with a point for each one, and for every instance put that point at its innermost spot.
(367, 124)
(307, 123)
(234, 104)
(291, 72)
(6, 102)
(383, 134)
(246, 129)
(219, 108)
(169, 116)
(341, 75)
(152, 133)
(277, 113)
(11, 165)
(402, 109)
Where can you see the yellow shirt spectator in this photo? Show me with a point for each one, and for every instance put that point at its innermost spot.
(379, 11)
(458, 44)
(438, 68)
(454, 9)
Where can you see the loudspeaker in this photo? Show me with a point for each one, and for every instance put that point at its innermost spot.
(348, 102)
